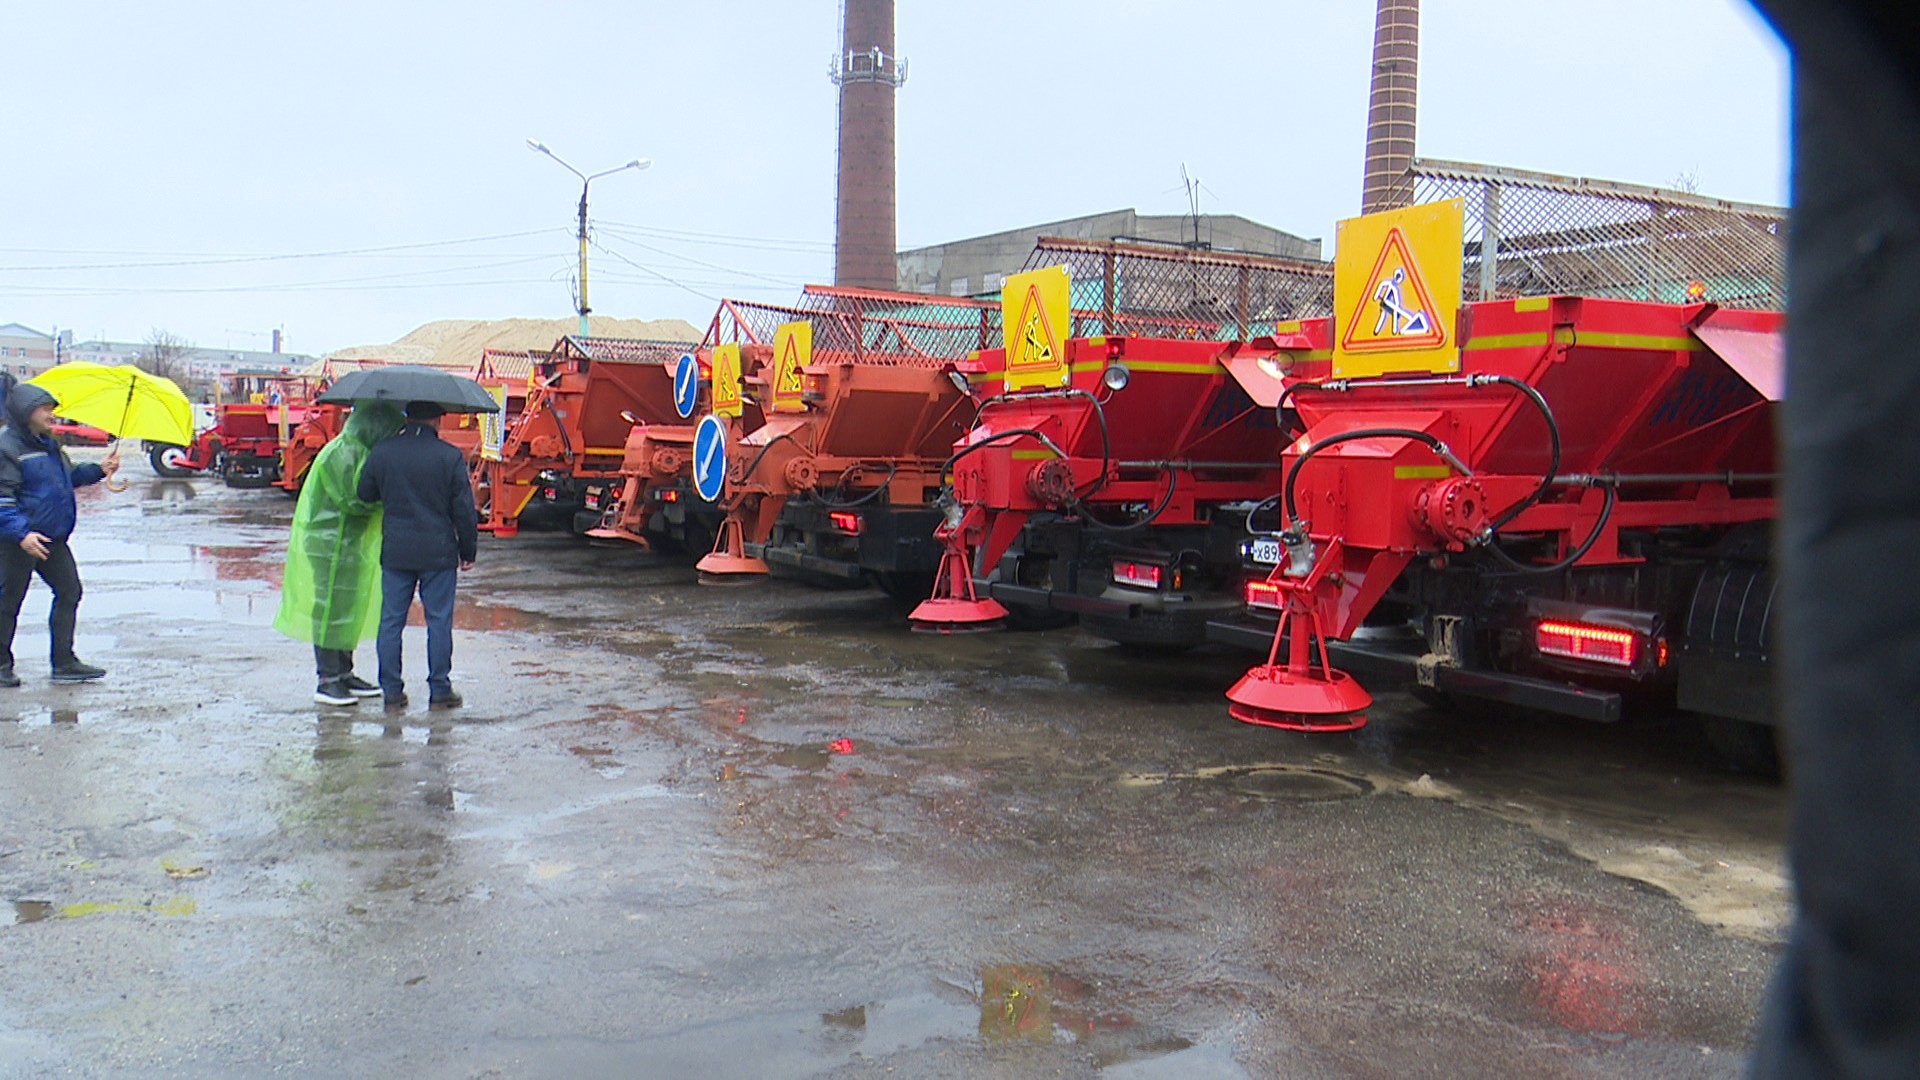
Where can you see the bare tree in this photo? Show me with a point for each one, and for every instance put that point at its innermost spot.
(165, 354)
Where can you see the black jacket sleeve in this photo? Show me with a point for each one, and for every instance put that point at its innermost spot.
(368, 486)
(13, 523)
(466, 527)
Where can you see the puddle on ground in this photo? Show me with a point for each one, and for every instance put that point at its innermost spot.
(1279, 782)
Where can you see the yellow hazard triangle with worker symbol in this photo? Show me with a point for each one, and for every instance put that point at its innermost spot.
(792, 352)
(1396, 290)
(1036, 313)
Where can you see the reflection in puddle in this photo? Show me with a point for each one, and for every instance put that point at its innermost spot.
(1585, 970)
(54, 716)
(26, 911)
(168, 493)
(1020, 1003)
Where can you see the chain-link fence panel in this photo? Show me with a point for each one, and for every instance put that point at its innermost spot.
(619, 350)
(868, 327)
(1534, 234)
(1173, 292)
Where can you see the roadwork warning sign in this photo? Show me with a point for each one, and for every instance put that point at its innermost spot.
(1036, 313)
(1396, 290)
(726, 397)
(792, 351)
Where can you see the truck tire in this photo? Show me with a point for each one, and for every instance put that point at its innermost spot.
(164, 459)
(1150, 632)
(1744, 746)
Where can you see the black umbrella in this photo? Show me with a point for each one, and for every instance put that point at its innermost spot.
(411, 382)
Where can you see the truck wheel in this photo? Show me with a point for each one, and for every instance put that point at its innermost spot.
(905, 588)
(1744, 746)
(1150, 632)
(166, 461)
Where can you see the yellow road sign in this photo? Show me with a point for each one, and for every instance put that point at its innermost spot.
(1037, 314)
(726, 380)
(792, 350)
(1396, 290)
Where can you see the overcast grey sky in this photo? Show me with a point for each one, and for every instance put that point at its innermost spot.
(199, 166)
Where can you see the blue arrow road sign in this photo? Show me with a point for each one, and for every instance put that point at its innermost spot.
(686, 384)
(709, 457)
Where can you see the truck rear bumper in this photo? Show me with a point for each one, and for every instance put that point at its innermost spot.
(1389, 662)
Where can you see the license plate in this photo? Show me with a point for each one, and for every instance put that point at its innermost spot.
(1265, 550)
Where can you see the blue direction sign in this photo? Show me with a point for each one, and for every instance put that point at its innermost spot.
(710, 457)
(686, 384)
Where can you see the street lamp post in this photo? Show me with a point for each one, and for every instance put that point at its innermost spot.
(585, 181)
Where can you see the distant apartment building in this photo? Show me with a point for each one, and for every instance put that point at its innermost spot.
(199, 365)
(979, 266)
(26, 352)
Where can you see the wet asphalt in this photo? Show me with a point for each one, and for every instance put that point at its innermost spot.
(682, 830)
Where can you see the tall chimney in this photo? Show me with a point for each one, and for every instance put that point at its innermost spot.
(1390, 108)
(867, 73)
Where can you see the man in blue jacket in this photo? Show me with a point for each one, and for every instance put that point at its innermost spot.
(430, 533)
(36, 517)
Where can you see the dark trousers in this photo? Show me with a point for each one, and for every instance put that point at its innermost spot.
(397, 588)
(62, 575)
(332, 664)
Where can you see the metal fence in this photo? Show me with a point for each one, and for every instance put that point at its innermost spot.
(867, 326)
(619, 350)
(1532, 234)
(1177, 292)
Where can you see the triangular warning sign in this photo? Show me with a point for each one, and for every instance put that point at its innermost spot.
(789, 368)
(1035, 345)
(1396, 310)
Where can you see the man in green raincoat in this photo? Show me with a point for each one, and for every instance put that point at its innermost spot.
(331, 591)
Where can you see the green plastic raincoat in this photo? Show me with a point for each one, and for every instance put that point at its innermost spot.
(330, 594)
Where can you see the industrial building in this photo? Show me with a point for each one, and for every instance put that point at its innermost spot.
(978, 266)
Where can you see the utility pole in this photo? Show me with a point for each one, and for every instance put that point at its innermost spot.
(586, 181)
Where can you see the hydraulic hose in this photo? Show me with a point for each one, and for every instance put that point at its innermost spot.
(1553, 440)
(1532, 395)
(1000, 437)
(1574, 556)
(1099, 416)
(755, 463)
(1262, 505)
(1173, 481)
(1439, 449)
(892, 471)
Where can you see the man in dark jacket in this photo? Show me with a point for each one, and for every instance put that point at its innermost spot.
(37, 516)
(429, 535)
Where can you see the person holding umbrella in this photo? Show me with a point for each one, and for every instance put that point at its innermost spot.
(330, 592)
(430, 531)
(37, 515)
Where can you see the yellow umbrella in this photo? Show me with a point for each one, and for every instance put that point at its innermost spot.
(121, 400)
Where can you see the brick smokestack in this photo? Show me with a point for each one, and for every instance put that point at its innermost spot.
(1390, 108)
(868, 74)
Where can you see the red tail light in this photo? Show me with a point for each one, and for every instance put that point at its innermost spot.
(1585, 641)
(667, 495)
(1139, 575)
(1264, 594)
(845, 520)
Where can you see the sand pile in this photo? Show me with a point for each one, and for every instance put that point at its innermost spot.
(458, 342)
